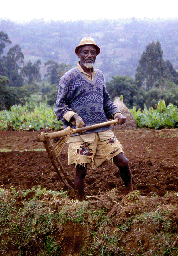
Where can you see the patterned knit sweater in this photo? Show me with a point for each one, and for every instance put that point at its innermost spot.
(89, 99)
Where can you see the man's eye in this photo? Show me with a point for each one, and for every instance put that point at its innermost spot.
(87, 52)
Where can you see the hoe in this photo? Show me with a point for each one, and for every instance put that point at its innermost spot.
(54, 143)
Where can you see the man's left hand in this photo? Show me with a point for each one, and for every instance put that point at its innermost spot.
(121, 118)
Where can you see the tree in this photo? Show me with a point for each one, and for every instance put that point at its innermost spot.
(31, 72)
(4, 40)
(55, 71)
(13, 63)
(8, 96)
(170, 73)
(151, 66)
(123, 85)
(15, 58)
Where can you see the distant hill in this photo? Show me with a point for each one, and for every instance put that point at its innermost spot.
(121, 41)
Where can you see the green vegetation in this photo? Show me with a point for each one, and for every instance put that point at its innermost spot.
(155, 80)
(41, 222)
(29, 117)
(33, 116)
(152, 68)
(161, 117)
(19, 80)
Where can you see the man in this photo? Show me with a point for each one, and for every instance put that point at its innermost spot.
(83, 100)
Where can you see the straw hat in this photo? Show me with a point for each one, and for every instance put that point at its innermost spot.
(87, 41)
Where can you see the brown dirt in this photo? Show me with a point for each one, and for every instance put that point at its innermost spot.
(153, 157)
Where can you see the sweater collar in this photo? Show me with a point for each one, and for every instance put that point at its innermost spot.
(86, 75)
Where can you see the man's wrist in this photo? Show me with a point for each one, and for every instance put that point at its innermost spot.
(68, 115)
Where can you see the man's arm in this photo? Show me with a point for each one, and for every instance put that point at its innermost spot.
(62, 109)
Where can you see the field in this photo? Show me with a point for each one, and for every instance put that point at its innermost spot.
(153, 158)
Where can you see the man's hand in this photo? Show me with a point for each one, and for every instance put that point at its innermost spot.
(79, 123)
(121, 118)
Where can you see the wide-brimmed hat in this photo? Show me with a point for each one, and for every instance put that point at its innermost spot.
(87, 41)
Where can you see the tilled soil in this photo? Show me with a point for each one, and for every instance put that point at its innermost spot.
(153, 158)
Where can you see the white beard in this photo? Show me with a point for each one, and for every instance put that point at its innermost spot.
(88, 65)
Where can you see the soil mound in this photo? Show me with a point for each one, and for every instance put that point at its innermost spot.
(130, 121)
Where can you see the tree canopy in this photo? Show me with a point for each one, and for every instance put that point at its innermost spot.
(55, 71)
(31, 71)
(4, 40)
(8, 96)
(152, 69)
(125, 86)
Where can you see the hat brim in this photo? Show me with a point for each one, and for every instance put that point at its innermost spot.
(96, 46)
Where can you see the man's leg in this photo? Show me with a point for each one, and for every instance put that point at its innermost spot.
(79, 181)
(122, 163)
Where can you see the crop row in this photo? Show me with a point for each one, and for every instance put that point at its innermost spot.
(29, 117)
(161, 117)
(35, 117)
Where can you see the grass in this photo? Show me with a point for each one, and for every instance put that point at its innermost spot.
(41, 222)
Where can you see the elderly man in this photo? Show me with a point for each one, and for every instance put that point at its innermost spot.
(83, 100)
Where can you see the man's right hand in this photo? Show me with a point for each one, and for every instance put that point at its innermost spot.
(79, 123)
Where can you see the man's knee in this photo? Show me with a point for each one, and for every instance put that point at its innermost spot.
(81, 171)
(121, 160)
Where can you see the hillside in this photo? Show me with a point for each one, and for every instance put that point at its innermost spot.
(122, 41)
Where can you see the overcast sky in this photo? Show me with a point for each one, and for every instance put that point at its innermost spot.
(24, 10)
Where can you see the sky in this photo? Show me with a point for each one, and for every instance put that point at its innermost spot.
(73, 10)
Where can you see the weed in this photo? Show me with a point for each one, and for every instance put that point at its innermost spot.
(134, 196)
(51, 247)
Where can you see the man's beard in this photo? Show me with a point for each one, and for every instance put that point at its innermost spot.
(88, 65)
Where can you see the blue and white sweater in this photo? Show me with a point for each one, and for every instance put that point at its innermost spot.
(89, 99)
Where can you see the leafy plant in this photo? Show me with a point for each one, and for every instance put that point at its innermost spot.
(161, 117)
(29, 117)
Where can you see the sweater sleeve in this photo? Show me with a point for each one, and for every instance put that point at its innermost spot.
(61, 107)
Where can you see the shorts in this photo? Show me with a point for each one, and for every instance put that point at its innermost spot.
(94, 148)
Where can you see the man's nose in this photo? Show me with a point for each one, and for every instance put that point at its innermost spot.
(89, 54)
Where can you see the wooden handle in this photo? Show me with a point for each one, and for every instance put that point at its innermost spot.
(69, 130)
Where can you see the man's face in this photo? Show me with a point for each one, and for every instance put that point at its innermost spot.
(87, 55)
